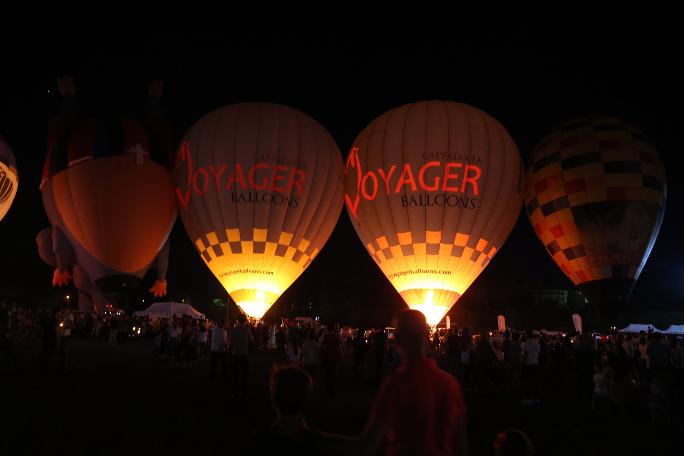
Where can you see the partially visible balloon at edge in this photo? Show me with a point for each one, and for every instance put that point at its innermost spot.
(9, 178)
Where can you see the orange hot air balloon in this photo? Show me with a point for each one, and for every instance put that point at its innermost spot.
(260, 191)
(109, 198)
(595, 195)
(9, 178)
(433, 190)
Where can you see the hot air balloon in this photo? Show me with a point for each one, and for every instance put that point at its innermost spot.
(433, 190)
(260, 191)
(109, 198)
(595, 195)
(9, 179)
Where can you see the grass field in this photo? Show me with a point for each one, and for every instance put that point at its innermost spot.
(122, 400)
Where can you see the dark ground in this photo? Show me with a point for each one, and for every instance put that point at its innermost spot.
(122, 400)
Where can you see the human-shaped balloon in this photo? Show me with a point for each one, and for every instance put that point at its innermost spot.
(109, 196)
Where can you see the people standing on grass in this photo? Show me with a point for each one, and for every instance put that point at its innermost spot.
(530, 368)
(309, 356)
(219, 349)
(240, 338)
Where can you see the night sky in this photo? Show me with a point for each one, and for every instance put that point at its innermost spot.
(529, 79)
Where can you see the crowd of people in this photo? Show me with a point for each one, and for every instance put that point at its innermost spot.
(611, 374)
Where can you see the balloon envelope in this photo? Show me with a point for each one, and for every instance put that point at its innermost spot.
(9, 179)
(260, 191)
(595, 195)
(433, 190)
(113, 202)
(118, 211)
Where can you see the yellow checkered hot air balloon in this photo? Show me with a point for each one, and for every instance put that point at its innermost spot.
(433, 190)
(260, 191)
(595, 195)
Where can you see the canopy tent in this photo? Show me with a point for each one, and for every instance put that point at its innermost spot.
(170, 309)
(660, 320)
(675, 329)
(638, 327)
(550, 332)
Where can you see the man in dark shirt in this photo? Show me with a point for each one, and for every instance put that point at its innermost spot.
(379, 350)
(359, 344)
(240, 338)
(483, 362)
(332, 356)
(453, 352)
(657, 353)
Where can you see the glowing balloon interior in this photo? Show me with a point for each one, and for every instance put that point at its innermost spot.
(260, 191)
(433, 190)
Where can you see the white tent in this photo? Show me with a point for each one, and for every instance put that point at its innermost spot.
(675, 329)
(549, 332)
(638, 327)
(170, 309)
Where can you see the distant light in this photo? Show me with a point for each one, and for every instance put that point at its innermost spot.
(61, 325)
(68, 296)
